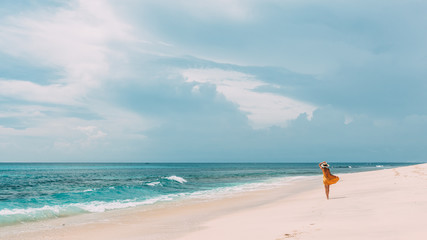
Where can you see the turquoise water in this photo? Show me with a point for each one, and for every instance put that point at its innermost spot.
(35, 191)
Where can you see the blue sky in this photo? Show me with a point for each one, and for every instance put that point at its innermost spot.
(223, 80)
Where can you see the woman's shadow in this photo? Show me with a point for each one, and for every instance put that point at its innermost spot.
(337, 197)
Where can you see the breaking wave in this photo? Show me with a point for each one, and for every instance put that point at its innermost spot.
(176, 178)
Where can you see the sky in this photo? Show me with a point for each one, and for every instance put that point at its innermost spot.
(213, 81)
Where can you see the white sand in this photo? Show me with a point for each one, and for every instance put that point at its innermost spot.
(386, 204)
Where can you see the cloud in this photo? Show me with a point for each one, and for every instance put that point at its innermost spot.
(92, 132)
(263, 109)
(83, 43)
(48, 134)
(75, 39)
(209, 10)
(310, 37)
(54, 93)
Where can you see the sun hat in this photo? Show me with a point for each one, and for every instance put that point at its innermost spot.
(324, 165)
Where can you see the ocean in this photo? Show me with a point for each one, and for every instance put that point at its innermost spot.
(37, 191)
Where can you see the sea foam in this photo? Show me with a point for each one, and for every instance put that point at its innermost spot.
(8, 216)
(152, 184)
(176, 178)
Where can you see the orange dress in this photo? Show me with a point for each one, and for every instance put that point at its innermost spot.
(328, 178)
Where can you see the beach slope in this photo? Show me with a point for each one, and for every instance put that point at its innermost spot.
(386, 204)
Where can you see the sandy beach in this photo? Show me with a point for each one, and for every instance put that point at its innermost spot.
(385, 204)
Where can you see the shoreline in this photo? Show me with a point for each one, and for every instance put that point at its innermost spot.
(167, 214)
(295, 211)
(174, 199)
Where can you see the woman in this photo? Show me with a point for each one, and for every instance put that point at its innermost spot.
(328, 178)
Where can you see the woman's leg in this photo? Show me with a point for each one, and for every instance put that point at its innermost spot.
(327, 191)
